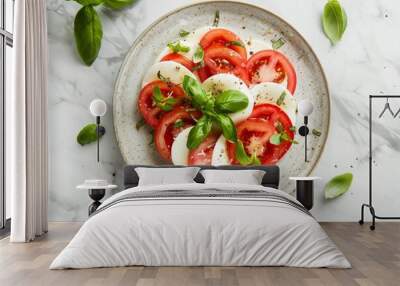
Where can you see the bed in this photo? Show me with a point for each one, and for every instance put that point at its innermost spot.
(201, 224)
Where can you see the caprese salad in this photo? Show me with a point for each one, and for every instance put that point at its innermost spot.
(212, 98)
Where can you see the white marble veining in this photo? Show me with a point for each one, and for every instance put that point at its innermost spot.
(366, 61)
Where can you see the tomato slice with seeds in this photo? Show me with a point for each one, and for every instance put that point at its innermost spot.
(175, 57)
(147, 107)
(166, 131)
(271, 66)
(202, 155)
(256, 131)
(224, 60)
(223, 37)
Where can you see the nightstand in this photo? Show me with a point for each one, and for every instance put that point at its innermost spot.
(305, 190)
(97, 190)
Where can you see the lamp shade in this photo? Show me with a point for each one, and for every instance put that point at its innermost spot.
(305, 107)
(98, 107)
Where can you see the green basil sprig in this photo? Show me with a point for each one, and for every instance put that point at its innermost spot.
(88, 30)
(89, 2)
(198, 55)
(88, 34)
(334, 21)
(231, 101)
(242, 156)
(88, 134)
(227, 126)
(183, 33)
(200, 99)
(199, 132)
(282, 135)
(118, 4)
(215, 111)
(177, 47)
(164, 103)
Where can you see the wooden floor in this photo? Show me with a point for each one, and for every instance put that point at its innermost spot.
(375, 257)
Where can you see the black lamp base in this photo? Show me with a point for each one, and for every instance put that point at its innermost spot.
(96, 195)
(304, 131)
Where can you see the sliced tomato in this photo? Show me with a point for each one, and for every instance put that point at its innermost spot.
(202, 155)
(175, 57)
(223, 37)
(271, 66)
(166, 131)
(150, 112)
(203, 73)
(256, 131)
(224, 60)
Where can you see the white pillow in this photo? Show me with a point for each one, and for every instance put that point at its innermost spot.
(163, 176)
(248, 177)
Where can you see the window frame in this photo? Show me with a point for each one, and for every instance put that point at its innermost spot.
(6, 39)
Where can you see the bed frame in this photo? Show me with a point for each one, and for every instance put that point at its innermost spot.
(271, 177)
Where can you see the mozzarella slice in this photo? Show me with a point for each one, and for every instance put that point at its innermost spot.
(173, 71)
(269, 92)
(179, 151)
(220, 82)
(190, 44)
(220, 153)
(254, 45)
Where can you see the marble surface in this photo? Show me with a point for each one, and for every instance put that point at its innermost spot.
(366, 61)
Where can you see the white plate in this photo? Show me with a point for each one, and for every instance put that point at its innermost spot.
(258, 23)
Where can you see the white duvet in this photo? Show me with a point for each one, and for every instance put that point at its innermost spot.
(200, 231)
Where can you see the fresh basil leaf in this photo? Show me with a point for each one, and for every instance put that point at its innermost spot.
(179, 123)
(276, 44)
(157, 95)
(281, 98)
(216, 19)
(164, 103)
(275, 139)
(195, 90)
(334, 21)
(88, 34)
(231, 101)
(177, 47)
(316, 132)
(235, 43)
(183, 33)
(199, 132)
(292, 128)
(338, 185)
(88, 134)
(140, 123)
(285, 137)
(118, 4)
(227, 126)
(89, 2)
(242, 156)
(198, 55)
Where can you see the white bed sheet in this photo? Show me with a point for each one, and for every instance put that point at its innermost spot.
(200, 231)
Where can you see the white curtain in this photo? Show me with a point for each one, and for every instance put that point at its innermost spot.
(26, 123)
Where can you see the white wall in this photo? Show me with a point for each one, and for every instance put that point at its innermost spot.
(366, 61)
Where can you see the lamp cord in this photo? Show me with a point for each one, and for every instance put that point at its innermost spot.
(98, 135)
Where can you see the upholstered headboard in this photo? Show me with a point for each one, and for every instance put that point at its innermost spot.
(271, 177)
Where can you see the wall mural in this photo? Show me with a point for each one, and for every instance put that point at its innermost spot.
(219, 84)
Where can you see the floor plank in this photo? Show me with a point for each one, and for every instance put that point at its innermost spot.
(375, 256)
